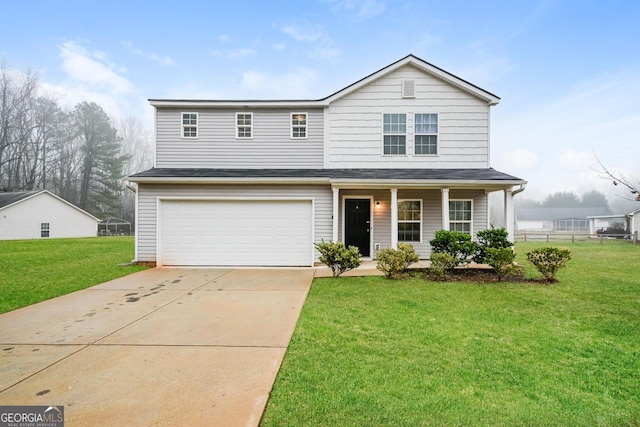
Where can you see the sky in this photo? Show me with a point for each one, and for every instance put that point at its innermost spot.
(567, 71)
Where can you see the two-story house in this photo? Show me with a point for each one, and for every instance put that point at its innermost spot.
(392, 158)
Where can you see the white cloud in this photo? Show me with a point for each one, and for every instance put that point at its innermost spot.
(87, 69)
(322, 46)
(90, 76)
(303, 32)
(361, 9)
(240, 53)
(298, 84)
(162, 60)
(279, 46)
(224, 38)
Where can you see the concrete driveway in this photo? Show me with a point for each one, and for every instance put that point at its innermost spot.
(166, 346)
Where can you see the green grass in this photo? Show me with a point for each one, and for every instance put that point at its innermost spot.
(36, 270)
(373, 352)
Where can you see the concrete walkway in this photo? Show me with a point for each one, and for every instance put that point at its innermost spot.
(166, 346)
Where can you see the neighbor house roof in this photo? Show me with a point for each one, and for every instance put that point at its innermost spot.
(9, 199)
(334, 176)
(412, 60)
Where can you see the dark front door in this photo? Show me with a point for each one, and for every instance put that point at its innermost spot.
(357, 224)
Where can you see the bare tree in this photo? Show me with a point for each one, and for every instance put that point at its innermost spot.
(137, 145)
(619, 178)
(17, 93)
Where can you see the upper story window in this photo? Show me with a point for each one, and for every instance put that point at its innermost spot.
(409, 220)
(189, 125)
(298, 125)
(244, 125)
(394, 133)
(460, 215)
(44, 229)
(426, 134)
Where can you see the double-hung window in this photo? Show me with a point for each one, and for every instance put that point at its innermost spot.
(426, 133)
(394, 134)
(409, 220)
(44, 229)
(460, 212)
(189, 125)
(298, 125)
(244, 125)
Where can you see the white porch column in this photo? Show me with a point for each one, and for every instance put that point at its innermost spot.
(509, 214)
(445, 209)
(394, 218)
(336, 204)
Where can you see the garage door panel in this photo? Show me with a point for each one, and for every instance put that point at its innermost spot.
(250, 232)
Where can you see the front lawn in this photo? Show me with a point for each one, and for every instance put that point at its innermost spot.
(369, 351)
(36, 270)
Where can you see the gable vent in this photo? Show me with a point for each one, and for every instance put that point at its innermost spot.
(408, 88)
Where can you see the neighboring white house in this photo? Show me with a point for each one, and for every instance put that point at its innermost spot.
(392, 158)
(560, 220)
(41, 214)
(630, 222)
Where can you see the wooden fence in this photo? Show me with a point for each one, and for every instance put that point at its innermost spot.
(538, 236)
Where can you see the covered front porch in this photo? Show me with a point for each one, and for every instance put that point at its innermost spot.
(374, 217)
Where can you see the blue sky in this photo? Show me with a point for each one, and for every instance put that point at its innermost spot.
(568, 72)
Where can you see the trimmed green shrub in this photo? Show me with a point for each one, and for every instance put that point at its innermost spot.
(441, 264)
(501, 259)
(549, 260)
(409, 254)
(454, 243)
(394, 261)
(338, 257)
(490, 238)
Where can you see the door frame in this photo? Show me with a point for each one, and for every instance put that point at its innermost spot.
(371, 229)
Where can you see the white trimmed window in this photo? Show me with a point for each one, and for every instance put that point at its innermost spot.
(44, 229)
(244, 125)
(189, 125)
(394, 134)
(298, 125)
(460, 214)
(409, 220)
(426, 134)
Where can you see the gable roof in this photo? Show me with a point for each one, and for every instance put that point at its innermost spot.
(426, 67)
(7, 199)
(410, 59)
(10, 199)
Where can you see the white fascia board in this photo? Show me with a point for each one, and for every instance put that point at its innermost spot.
(177, 103)
(390, 183)
(222, 180)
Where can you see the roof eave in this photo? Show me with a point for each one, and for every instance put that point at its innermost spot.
(195, 103)
(336, 182)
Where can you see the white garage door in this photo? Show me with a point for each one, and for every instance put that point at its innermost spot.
(235, 233)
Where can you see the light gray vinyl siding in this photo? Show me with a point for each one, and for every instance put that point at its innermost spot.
(355, 124)
(217, 146)
(148, 205)
(431, 213)
(480, 206)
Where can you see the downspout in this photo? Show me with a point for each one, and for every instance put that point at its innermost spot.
(519, 190)
(134, 187)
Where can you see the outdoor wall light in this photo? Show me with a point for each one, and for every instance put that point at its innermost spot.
(378, 204)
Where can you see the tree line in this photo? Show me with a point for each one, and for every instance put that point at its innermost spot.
(80, 154)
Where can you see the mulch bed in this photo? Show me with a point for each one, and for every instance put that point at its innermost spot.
(487, 275)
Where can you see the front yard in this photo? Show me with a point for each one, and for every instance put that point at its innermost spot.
(369, 351)
(36, 270)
